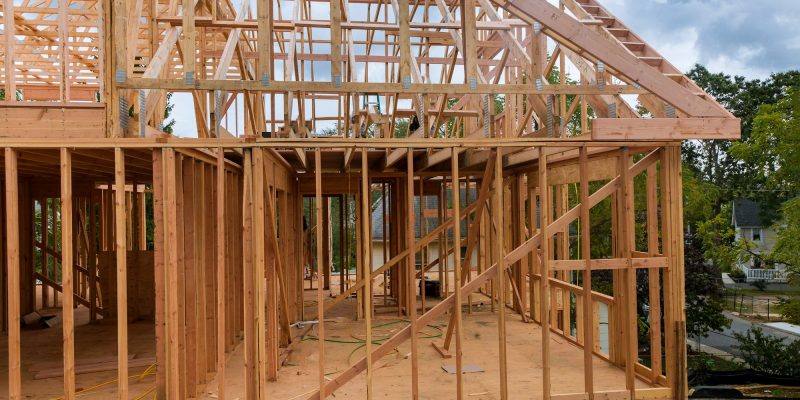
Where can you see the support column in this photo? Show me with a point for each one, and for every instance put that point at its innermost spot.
(67, 310)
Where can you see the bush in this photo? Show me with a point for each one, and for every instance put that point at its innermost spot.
(760, 284)
(769, 354)
(790, 309)
(737, 275)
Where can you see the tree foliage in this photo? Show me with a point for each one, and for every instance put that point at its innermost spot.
(769, 354)
(703, 293)
(764, 166)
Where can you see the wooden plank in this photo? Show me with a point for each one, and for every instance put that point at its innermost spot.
(171, 273)
(320, 294)
(666, 128)
(336, 40)
(366, 246)
(653, 393)
(653, 278)
(264, 39)
(67, 311)
(259, 238)
(410, 273)
(10, 50)
(544, 303)
(220, 225)
(625, 244)
(469, 49)
(457, 270)
(609, 263)
(499, 248)
(613, 395)
(188, 273)
(249, 289)
(404, 41)
(586, 252)
(189, 42)
(121, 250)
(13, 267)
(159, 255)
(570, 396)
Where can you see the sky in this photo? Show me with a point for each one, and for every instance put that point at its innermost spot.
(752, 38)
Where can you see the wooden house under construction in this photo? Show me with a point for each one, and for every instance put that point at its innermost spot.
(233, 259)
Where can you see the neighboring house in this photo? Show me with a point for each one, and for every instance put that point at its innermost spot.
(749, 226)
(429, 223)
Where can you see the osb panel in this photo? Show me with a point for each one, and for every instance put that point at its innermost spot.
(47, 122)
(141, 284)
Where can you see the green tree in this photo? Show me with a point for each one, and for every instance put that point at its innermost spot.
(704, 302)
(775, 149)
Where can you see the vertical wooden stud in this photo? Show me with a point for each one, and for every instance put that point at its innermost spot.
(68, 316)
(121, 249)
(366, 218)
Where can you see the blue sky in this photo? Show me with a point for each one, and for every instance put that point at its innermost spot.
(738, 37)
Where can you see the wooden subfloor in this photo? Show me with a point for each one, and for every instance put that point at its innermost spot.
(92, 341)
(392, 377)
(298, 376)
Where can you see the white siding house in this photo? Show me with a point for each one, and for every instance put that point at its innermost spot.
(749, 226)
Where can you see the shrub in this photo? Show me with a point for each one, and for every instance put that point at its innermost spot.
(737, 275)
(790, 310)
(769, 354)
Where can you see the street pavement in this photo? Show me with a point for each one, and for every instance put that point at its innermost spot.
(726, 341)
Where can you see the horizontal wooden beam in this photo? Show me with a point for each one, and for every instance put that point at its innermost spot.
(666, 128)
(609, 263)
(319, 142)
(373, 87)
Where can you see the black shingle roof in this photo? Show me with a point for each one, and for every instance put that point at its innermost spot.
(747, 213)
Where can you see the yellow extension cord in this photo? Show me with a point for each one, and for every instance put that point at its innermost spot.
(147, 372)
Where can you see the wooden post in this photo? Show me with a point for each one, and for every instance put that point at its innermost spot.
(122, 273)
(259, 238)
(221, 223)
(188, 43)
(171, 273)
(544, 295)
(320, 294)
(250, 334)
(366, 219)
(586, 253)
(10, 69)
(626, 239)
(13, 265)
(499, 248)
(67, 311)
(457, 270)
(411, 272)
(654, 287)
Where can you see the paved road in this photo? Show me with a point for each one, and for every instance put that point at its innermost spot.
(726, 341)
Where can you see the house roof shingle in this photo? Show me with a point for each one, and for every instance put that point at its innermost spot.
(747, 213)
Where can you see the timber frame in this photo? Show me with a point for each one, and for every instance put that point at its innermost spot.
(518, 116)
